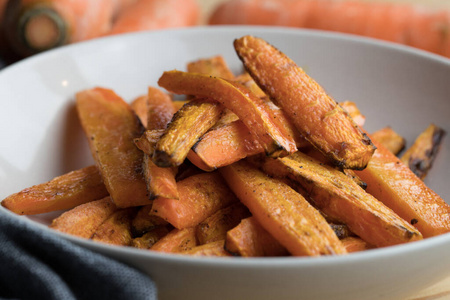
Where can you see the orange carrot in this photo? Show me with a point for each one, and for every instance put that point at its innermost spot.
(36, 25)
(177, 240)
(402, 23)
(200, 196)
(144, 221)
(215, 248)
(156, 14)
(116, 230)
(355, 244)
(140, 108)
(62, 192)
(390, 139)
(393, 183)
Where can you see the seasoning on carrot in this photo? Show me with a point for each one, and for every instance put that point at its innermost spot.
(156, 14)
(313, 112)
(407, 24)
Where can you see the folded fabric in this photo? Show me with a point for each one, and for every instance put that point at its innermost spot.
(39, 265)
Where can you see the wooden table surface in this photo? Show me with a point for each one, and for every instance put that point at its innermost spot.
(439, 290)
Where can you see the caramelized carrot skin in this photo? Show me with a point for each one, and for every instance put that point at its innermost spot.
(313, 112)
(284, 213)
(176, 241)
(111, 126)
(393, 183)
(63, 192)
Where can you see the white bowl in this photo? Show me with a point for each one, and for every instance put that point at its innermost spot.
(392, 85)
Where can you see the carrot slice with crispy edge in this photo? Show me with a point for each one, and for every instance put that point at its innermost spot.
(340, 197)
(110, 126)
(253, 111)
(355, 244)
(421, 155)
(176, 241)
(83, 220)
(314, 113)
(354, 112)
(116, 230)
(140, 107)
(390, 139)
(148, 239)
(250, 239)
(144, 221)
(215, 248)
(60, 193)
(283, 212)
(160, 181)
(392, 182)
(215, 227)
(201, 195)
(214, 66)
(187, 126)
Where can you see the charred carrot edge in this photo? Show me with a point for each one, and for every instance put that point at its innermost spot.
(60, 193)
(355, 244)
(250, 239)
(156, 14)
(176, 241)
(116, 230)
(215, 66)
(339, 197)
(393, 183)
(215, 227)
(215, 248)
(147, 141)
(144, 221)
(313, 112)
(83, 220)
(111, 126)
(284, 213)
(253, 111)
(148, 239)
(421, 155)
(200, 196)
(390, 139)
(187, 126)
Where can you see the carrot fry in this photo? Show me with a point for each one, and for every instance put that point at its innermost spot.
(144, 221)
(250, 239)
(110, 126)
(353, 111)
(147, 141)
(355, 244)
(116, 230)
(147, 240)
(215, 66)
(215, 227)
(156, 14)
(393, 183)
(253, 111)
(83, 220)
(341, 230)
(60, 193)
(140, 107)
(420, 156)
(200, 196)
(284, 213)
(390, 139)
(186, 127)
(215, 248)
(176, 241)
(315, 114)
(339, 197)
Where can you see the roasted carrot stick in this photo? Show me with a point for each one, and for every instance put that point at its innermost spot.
(83, 220)
(200, 196)
(355, 244)
(339, 197)
(215, 248)
(253, 111)
(402, 23)
(283, 212)
(393, 183)
(176, 241)
(144, 221)
(63, 192)
(110, 126)
(148, 239)
(313, 112)
(140, 107)
(116, 230)
(36, 25)
(390, 139)
(421, 155)
(215, 66)
(249, 239)
(156, 14)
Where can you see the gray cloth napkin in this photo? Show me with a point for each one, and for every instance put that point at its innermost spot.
(39, 265)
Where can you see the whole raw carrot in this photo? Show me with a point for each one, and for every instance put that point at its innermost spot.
(402, 23)
(156, 14)
(32, 26)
